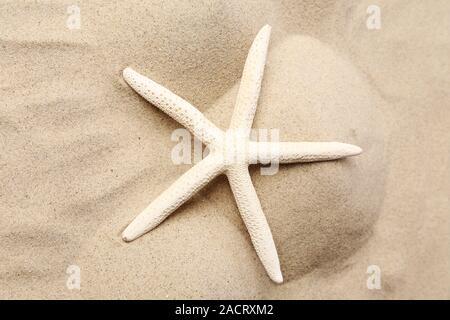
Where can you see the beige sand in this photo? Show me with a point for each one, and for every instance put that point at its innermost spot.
(82, 154)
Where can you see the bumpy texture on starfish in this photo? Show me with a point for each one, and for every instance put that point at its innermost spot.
(220, 149)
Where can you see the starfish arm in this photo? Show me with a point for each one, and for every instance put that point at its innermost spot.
(178, 193)
(173, 105)
(290, 152)
(254, 219)
(250, 86)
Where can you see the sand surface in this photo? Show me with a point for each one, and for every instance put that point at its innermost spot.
(82, 154)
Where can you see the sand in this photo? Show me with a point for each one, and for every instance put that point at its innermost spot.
(82, 153)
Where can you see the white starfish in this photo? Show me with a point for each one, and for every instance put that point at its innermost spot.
(215, 163)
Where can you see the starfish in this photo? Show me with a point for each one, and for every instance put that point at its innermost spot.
(216, 162)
